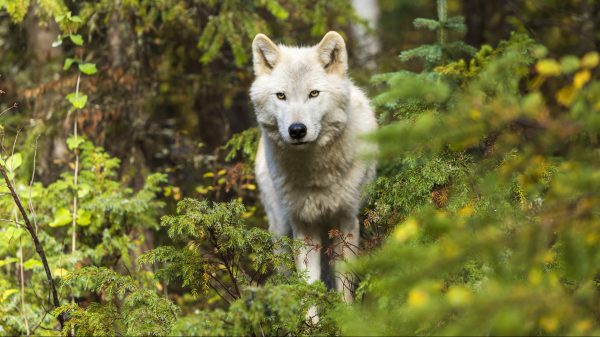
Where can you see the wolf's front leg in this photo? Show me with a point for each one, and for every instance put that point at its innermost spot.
(346, 249)
(308, 259)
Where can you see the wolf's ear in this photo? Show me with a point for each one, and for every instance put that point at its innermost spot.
(332, 53)
(265, 54)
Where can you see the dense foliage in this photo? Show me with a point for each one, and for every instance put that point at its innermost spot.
(484, 217)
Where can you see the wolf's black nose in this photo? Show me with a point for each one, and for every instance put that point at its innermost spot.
(297, 130)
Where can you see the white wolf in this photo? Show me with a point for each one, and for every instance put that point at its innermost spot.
(307, 167)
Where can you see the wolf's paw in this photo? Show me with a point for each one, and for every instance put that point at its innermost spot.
(312, 317)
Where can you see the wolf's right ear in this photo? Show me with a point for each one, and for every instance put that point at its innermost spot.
(265, 54)
(332, 53)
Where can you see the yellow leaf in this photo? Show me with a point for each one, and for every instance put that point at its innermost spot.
(450, 248)
(549, 323)
(60, 272)
(475, 114)
(581, 78)
(250, 187)
(548, 67)
(548, 256)
(583, 325)
(222, 172)
(565, 95)
(592, 238)
(535, 277)
(417, 298)
(6, 293)
(208, 175)
(458, 296)
(405, 231)
(466, 211)
(176, 193)
(590, 60)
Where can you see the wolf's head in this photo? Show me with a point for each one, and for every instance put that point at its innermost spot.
(301, 95)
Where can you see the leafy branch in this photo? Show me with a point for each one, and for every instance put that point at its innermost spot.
(38, 246)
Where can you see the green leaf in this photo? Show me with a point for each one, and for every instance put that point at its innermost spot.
(62, 217)
(75, 19)
(6, 293)
(277, 10)
(8, 260)
(76, 39)
(74, 142)
(88, 68)
(12, 233)
(78, 101)
(31, 264)
(13, 162)
(68, 63)
(83, 190)
(84, 217)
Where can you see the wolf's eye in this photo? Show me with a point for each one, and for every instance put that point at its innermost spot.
(313, 93)
(280, 95)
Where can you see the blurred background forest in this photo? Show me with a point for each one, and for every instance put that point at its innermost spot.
(128, 133)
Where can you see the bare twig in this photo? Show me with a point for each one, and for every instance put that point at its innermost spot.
(75, 175)
(10, 221)
(226, 263)
(36, 242)
(12, 155)
(222, 286)
(31, 208)
(14, 106)
(22, 285)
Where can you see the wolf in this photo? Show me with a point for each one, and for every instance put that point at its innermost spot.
(308, 166)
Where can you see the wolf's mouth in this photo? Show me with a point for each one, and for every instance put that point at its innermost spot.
(300, 143)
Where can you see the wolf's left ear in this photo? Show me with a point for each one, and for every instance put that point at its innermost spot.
(332, 53)
(265, 54)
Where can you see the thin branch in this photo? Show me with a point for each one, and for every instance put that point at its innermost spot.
(31, 208)
(226, 263)
(218, 293)
(10, 221)
(14, 106)
(75, 175)
(12, 156)
(36, 242)
(222, 286)
(40, 322)
(22, 280)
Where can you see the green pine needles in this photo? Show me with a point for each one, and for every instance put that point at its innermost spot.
(442, 50)
(228, 263)
(497, 205)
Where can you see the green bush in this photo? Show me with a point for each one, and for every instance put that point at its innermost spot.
(492, 178)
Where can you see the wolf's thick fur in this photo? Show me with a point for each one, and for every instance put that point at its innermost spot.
(311, 185)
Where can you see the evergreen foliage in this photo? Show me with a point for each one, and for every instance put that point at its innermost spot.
(127, 307)
(507, 243)
(227, 262)
(442, 49)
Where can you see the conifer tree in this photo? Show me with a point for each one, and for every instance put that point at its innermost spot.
(489, 174)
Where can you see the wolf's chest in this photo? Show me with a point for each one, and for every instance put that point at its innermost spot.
(317, 194)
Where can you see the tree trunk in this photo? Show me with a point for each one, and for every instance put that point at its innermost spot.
(367, 42)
